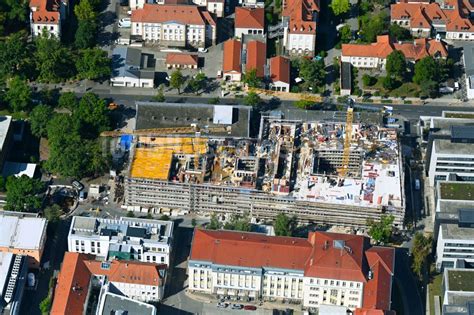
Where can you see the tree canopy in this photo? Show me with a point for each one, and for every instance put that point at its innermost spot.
(177, 80)
(85, 11)
(345, 34)
(22, 194)
(373, 25)
(239, 223)
(85, 34)
(426, 70)
(14, 54)
(39, 118)
(421, 250)
(92, 115)
(53, 213)
(381, 231)
(313, 73)
(54, 62)
(340, 7)
(399, 33)
(93, 64)
(197, 83)
(214, 224)
(252, 99)
(396, 64)
(251, 79)
(18, 94)
(68, 100)
(284, 225)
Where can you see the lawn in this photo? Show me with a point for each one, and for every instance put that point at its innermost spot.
(460, 115)
(435, 289)
(457, 191)
(17, 115)
(408, 89)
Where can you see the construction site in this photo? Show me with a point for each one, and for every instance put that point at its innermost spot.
(324, 172)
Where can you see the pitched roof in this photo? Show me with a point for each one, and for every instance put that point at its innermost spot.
(232, 57)
(249, 18)
(380, 49)
(45, 11)
(77, 269)
(256, 57)
(186, 14)
(280, 69)
(300, 14)
(422, 15)
(330, 261)
(181, 59)
(415, 50)
(252, 250)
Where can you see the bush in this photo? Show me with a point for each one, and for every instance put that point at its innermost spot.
(368, 80)
(407, 102)
(386, 101)
(368, 100)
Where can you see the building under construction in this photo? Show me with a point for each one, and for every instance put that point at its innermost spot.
(320, 171)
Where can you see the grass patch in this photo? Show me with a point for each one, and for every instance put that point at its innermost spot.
(457, 191)
(16, 115)
(435, 290)
(407, 102)
(459, 115)
(408, 89)
(386, 101)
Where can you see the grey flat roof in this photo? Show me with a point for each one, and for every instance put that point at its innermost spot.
(462, 132)
(5, 123)
(469, 59)
(448, 206)
(346, 76)
(453, 231)
(114, 303)
(445, 146)
(151, 115)
(129, 62)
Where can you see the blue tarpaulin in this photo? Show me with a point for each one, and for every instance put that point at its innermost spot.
(126, 141)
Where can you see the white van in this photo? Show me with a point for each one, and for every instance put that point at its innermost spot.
(125, 23)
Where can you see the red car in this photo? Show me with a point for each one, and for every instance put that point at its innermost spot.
(250, 307)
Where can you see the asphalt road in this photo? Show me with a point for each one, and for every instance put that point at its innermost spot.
(406, 282)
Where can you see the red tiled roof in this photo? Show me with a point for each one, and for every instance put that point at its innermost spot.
(422, 15)
(249, 18)
(45, 11)
(280, 69)
(249, 249)
(300, 14)
(186, 14)
(232, 58)
(381, 49)
(256, 57)
(181, 59)
(77, 269)
(364, 311)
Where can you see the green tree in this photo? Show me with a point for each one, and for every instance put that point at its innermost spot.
(68, 100)
(345, 34)
(429, 89)
(340, 7)
(368, 80)
(313, 73)
(197, 83)
(53, 61)
(177, 80)
(252, 99)
(193, 222)
(93, 64)
(399, 33)
(396, 64)
(45, 305)
(164, 217)
(239, 223)
(39, 118)
(2, 183)
(214, 100)
(85, 11)
(284, 225)
(304, 104)
(92, 115)
(15, 52)
(214, 224)
(22, 194)
(426, 70)
(421, 250)
(85, 34)
(389, 83)
(381, 231)
(373, 25)
(251, 79)
(53, 213)
(18, 94)
(130, 214)
(160, 96)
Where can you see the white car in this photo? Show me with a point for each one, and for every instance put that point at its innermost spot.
(125, 23)
(222, 305)
(202, 50)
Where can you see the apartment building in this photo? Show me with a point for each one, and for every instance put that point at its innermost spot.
(375, 55)
(125, 238)
(23, 234)
(47, 16)
(234, 175)
(249, 21)
(454, 223)
(131, 68)
(216, 7)
(279, 74)
(299, 19)
(112, 303)
(326, 269)
(13, 271)
(446, 18)
(81, 273)
(174, 25)
(458, 291)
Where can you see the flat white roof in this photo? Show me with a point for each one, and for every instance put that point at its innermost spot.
(5, 263)
(22, 233)
(222, 114)
(19, 169)
(5, 122)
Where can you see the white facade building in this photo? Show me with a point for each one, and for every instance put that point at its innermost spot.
(47, 16)
(126, 238)
(174, 25)
(224, 263)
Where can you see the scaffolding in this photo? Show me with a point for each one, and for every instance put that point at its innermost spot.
(347, 143)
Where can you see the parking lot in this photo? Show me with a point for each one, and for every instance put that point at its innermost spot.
(213, 309)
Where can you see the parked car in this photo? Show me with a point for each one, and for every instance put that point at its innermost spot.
(250, 307)
(222, 305)
(31, 279)
(77, 184)
(82, 196)
(417, 184)
(125, 23)
(237, 306)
